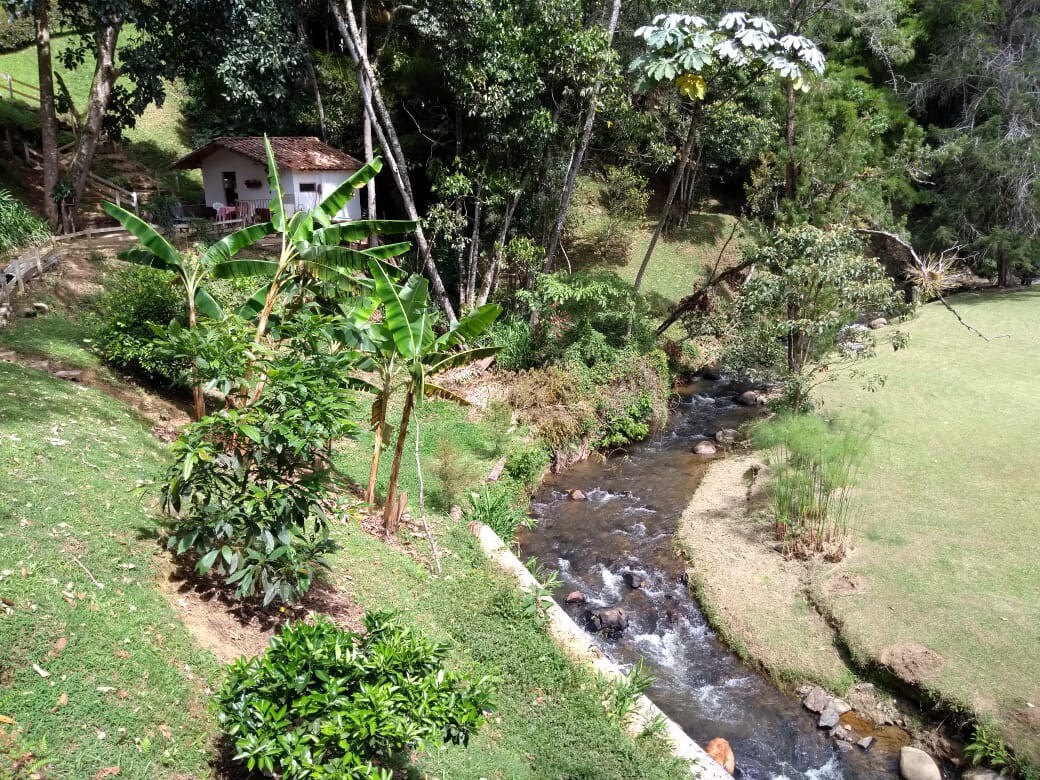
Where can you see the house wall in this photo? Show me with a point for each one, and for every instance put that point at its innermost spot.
(214, 166)
(325, 182)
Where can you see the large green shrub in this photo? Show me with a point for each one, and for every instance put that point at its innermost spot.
(135, 302)
(18, 226)
(16, 32)
(248, 488)
(326, 703)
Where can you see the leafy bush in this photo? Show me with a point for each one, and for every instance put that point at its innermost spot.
(16, 32)
(324, 703)
(493, 509)
(813, 465)
(624, 196)
(525, 464)
(631, 423)
(514, 337)
(248, 487)
(18, 226)
(136, 301)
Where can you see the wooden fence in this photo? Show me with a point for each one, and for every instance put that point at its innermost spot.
(10, 87)
(39, 259)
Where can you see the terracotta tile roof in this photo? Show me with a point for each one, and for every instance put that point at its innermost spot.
(296, 153)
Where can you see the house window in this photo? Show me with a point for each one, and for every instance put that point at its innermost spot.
(308, 186)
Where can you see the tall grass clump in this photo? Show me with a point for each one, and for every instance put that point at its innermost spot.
(18, 226)
(813, 466)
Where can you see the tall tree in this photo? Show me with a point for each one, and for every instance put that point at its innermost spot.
(982, 85)
(685, 51)
(48, 119)
(382, 123)
(582, 148)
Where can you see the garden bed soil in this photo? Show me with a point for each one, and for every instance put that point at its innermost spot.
(230, 628)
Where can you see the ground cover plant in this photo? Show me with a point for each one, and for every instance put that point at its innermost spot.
(325, 702)
(944, 505)
(19, 227)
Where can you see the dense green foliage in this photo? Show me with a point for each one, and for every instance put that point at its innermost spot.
(19, 227)
(135, 302)
(809, 285)
(323, 702)
(248, 488)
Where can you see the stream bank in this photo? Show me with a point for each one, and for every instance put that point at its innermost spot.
(617, 548)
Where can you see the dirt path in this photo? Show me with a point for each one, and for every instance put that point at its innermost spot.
(749, 591)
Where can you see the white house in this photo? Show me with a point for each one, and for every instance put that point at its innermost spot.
(234, 173)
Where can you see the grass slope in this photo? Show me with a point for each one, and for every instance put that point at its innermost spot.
(947, 508)
(125, 639)
(159, 136)
(128, 687)
(678, 261)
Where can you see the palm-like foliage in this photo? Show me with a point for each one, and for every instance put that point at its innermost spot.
(312, 249)
(403, 350)
(191, 271)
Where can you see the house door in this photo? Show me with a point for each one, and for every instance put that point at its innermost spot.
(230, 188)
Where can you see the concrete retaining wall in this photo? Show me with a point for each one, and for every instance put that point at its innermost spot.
(575, 642)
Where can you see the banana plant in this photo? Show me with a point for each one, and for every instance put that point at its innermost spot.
(190, 270)
(405, 353)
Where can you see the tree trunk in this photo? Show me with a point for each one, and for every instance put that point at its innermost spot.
(377, 447)
(390, 514)
(468, 301)
(1003, 271)
(366, 132)
(496, 258)
(790, 169)
(579, 155)
(684, 157)
(48, 120)
(196, 386)
(384, 129)
(105, 75)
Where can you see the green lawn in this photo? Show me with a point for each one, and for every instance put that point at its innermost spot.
(947, 521)
(126, 686)
(676, 267)
(137, 686)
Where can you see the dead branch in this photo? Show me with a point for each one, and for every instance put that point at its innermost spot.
(947, 255)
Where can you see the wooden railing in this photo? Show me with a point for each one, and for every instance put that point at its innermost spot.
(36, 260)
(11, 87)
(118, 194)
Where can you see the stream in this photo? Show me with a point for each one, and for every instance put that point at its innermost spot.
(624, 530)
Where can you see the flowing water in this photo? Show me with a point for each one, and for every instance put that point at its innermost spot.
(623, 531)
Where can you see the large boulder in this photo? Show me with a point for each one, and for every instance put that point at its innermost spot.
(816, 699)
(705, 448)
(915, 764)
(575, 597)
(877, 323)
(749, 398)
(711, 371)
(726, 436)
(722, 754)
(612, 620)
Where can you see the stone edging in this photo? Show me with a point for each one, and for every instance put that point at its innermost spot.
(575, 643)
